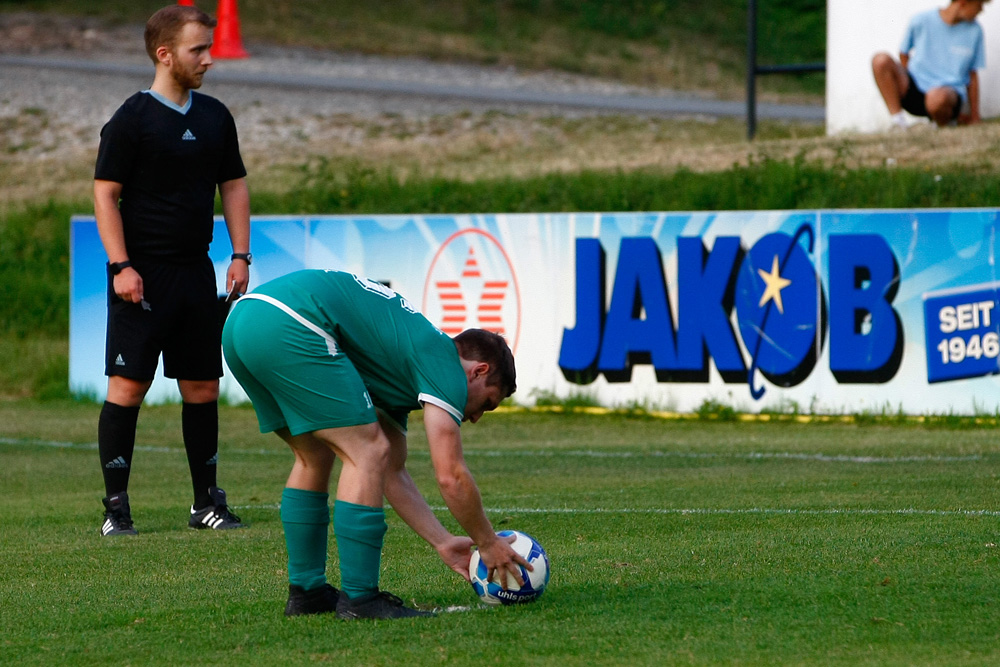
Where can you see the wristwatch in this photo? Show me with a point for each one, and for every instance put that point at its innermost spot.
(117, 267)
(245, 256)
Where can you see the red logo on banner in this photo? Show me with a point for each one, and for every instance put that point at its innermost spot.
(471, 284)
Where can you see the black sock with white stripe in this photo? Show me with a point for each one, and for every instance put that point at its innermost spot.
(115, 444)
(200, 424)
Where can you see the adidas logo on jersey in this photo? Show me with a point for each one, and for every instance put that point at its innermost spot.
(119, 361)
(116, 463)
(187, 136)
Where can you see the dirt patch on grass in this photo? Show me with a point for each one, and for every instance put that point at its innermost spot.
(468, 146)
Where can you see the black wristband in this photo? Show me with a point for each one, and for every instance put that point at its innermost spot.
(245, 256)
(117, 267)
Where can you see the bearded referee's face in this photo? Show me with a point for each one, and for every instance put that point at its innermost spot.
(190, 55)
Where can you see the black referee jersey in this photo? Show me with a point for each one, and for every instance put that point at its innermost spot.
(169, 160)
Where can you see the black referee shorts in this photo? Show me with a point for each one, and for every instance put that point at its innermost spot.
(179, 318)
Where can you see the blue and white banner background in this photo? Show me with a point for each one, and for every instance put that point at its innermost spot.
(826, 311)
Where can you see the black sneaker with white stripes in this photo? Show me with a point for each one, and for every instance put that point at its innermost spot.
(217, 515)
(117, 516)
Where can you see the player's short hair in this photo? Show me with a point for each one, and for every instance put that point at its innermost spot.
(163, 27)
(491, 348)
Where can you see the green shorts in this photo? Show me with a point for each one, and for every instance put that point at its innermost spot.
(295, 375)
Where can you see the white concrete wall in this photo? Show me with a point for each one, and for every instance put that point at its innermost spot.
(857, 30)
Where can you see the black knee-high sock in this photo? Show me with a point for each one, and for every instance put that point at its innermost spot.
(200, 425)
(115, 443)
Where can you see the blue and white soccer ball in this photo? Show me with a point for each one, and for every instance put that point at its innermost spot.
(535, 581)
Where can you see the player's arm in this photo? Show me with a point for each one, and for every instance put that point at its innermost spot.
(461, 494)
(128, 283)
(236, 210)
(410, 505)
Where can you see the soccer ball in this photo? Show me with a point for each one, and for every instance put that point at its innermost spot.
(535, 581)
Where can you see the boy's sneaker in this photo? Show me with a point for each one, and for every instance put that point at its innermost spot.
(217, 515)
(321, 600)
(377, 605)
(117, 516)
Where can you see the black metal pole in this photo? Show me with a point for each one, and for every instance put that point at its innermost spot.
(751, 69)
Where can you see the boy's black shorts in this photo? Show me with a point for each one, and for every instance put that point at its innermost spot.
(180, 319)
(915, 101)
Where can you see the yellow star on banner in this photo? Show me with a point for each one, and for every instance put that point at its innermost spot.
(775, 283)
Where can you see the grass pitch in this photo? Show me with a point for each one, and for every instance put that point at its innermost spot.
(672, 542)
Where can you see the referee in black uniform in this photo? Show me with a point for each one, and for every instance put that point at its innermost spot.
(161, 157)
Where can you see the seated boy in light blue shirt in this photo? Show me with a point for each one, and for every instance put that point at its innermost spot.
(936, 75)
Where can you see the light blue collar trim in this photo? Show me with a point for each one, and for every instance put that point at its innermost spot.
(170, 105)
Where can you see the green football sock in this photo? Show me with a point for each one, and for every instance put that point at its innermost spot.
(359, 530)
(305, 516)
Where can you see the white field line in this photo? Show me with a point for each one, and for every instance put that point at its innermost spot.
(761, 511)
(28, 442)
(454, 608)
(577, 453)
(794, 456)
(707, 511)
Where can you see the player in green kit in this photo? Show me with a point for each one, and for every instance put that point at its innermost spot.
(334, 363)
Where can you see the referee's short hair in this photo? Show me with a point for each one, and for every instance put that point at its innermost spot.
(163, 27)
(492, 348)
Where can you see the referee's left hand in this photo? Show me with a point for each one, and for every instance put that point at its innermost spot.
(238, 276)
(128, 285)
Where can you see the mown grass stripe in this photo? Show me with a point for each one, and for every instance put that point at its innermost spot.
(710, 511)
(578, 453)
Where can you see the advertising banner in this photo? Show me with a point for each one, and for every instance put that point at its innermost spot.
(814, 311)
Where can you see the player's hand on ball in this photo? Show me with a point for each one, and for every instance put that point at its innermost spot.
(504, 589)
(502, 561)
(456, 553)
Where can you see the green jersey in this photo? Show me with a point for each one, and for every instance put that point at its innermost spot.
(403, 359)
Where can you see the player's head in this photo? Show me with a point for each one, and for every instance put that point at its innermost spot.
(165, 26)
(491, 348)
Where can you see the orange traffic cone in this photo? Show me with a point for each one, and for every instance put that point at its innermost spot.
(226, 41)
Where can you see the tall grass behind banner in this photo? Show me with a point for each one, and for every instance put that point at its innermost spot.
(763, 185)
(34, 270)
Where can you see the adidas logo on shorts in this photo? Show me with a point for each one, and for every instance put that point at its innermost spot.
(119, 361)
